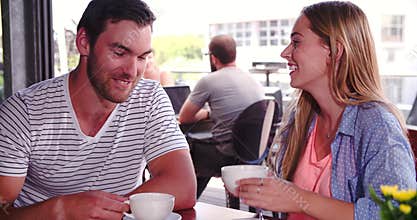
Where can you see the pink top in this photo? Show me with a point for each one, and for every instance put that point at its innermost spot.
(311, 174)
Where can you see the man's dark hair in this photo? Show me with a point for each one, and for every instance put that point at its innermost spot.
(98, 12)
(223, 47)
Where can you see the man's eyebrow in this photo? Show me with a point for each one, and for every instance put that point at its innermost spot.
(147, 52)
(121, 46)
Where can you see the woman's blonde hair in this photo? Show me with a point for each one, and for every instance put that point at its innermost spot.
(355, 81)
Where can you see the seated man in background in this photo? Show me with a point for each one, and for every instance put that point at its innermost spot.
(75, 146)
(152, 71)
(228, 91)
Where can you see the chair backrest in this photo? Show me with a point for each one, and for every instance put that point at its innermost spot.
(278, 97)
(247, 131)
(412, 117)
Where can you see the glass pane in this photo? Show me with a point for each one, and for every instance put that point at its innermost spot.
(1, 62)
(179, 30)
(65, 17)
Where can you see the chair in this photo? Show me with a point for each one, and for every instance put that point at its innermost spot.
(278, 98)
(412, 117)
(412, 129)
(247, 136)
(247, 131)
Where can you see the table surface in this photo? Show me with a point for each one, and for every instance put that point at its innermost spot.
(205, 211)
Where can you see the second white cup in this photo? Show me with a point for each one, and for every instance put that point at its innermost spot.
(150, 206)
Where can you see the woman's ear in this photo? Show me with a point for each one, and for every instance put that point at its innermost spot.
(339, 51)
(82, 42)
(338, 55)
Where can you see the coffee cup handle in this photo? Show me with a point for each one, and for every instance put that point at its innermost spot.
(128, 214)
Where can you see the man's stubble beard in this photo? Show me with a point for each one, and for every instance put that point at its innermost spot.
(99, 84)
(212, 66)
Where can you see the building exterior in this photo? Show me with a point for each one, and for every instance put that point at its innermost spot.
(262, 37)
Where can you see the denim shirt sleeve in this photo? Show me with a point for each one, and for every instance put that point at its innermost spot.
(387, 159)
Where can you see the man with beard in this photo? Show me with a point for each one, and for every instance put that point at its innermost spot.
(75, 146)
(228, 91)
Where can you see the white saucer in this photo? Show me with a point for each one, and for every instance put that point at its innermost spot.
(172, 216)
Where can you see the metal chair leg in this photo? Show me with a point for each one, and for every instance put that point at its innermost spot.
(232, 201)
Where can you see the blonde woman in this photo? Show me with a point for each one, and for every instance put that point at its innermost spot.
(340, 134)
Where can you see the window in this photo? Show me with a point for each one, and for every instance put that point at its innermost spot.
(273, 23)
(1, 63)
(262, 23)
(390, 55)
(285, 41)
(64, 32)
(285, 22)
(263, 42)
(392, 28)
(220, 27)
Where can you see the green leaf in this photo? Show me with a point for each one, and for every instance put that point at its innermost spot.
(374, 197)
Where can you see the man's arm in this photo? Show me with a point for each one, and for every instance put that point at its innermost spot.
(192, 113)
(173, 173)
(85, 205)
(10, 188)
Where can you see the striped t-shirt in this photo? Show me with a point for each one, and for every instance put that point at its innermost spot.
(41, 139)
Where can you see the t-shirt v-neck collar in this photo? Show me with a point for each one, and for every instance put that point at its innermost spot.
(75, 119)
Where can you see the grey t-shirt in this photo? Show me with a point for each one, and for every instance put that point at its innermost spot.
(228, 92)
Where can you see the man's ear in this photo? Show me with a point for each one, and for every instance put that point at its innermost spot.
(82, 42)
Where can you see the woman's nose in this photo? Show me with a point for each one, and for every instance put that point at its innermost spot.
(286, 53)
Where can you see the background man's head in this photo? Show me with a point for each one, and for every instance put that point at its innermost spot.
(99, 12)
(223, 47)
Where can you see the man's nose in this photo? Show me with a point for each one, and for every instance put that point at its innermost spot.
(131, 66)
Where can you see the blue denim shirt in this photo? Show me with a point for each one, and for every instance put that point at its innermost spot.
(369, 149)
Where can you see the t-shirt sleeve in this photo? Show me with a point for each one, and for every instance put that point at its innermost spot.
(14, 138)
(201, 93)
(162, 133)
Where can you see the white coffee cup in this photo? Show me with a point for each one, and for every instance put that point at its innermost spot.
(233, 173)
(150, 206)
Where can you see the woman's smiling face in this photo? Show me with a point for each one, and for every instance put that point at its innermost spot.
(308, 57)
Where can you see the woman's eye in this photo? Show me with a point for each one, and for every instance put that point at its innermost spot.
(295, 43)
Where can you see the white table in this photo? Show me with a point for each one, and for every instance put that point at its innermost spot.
(205, 211)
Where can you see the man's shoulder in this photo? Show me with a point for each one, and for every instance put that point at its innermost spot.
(146, 90)
(46, 86)
(145, 86)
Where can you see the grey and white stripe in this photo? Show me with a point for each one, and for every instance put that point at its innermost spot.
(40, 139)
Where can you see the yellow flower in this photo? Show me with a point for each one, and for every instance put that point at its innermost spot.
(388, 190)
(406, 209)
(404, 195)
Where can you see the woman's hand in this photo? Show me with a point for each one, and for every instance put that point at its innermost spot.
(272, 194)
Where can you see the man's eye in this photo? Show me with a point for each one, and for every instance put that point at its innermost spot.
(119, 54)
